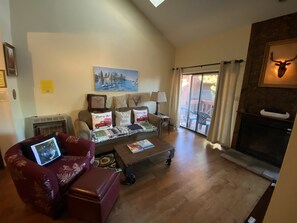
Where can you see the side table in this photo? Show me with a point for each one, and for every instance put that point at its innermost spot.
(165, 122)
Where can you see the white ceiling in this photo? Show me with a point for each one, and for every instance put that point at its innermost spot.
(186, 21)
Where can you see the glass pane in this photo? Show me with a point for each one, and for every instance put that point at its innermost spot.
(208, 93)
(194, 101)
(197, 100)
(184, 100)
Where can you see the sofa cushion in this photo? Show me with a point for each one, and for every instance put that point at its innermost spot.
(123, 118)
(67, 168)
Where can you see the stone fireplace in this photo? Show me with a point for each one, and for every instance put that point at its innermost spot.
(262, 137)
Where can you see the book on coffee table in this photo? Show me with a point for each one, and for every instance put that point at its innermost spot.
(139, 146)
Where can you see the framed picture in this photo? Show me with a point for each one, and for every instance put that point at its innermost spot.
(10, 60)
(2, 79)
(113, 79)
(279, 67)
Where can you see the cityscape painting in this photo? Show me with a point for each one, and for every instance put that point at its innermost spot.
(112, 79)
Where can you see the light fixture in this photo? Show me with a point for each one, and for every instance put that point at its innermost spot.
(156, 3)
(158, 97)
(282, 65)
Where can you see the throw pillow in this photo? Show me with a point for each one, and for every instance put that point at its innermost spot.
(120, 101)
(140, 116)
(102, 120)
(96, 102)
(42, 151)
(123, 118)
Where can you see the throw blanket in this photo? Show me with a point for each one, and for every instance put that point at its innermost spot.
(102, 135)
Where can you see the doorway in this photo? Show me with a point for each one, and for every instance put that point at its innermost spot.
(198, 93)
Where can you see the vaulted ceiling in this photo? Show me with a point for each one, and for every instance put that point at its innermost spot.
(186, 21)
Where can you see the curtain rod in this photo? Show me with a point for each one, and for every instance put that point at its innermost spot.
(209, 64)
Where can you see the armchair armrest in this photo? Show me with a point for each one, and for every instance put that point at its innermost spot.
(156, 121)
(36, 185)
(82, 129)
(76, 146)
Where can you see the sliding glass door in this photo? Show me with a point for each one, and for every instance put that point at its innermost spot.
(197, 100)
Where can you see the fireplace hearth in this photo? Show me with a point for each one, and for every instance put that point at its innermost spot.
(264, 138)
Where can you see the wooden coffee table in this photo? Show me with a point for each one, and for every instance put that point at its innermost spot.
(126, 159)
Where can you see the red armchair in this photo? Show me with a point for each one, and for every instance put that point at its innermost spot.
(44, 187)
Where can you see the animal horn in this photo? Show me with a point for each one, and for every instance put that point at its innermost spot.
(291, 59)
(271, 58)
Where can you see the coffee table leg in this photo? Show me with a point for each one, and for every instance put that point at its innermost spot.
(130, 177)
(171, 155)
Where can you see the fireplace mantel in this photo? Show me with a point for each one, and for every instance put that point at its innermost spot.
(247, 114)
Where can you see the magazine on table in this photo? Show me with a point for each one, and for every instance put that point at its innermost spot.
(140, 146)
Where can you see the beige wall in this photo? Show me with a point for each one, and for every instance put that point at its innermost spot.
(230, 45)
(282, 207)
(62, 41)
(7, 130)
(11, 118)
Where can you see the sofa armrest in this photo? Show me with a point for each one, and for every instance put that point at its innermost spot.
(156, 121)
(82, 129)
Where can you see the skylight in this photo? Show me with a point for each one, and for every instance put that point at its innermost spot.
(156, 3)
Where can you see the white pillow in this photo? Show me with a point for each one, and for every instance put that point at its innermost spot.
(140, 116)
(102, 120)
(123, 118)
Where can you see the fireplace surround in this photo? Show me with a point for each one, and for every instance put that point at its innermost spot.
(264, 138)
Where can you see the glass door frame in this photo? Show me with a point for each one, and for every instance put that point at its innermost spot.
(216, 72)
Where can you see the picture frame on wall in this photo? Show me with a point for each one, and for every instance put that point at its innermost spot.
(10, 59)
(114, 79)
(279, 67)
(2, 79)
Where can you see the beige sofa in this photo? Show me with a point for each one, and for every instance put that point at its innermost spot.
(83, 127)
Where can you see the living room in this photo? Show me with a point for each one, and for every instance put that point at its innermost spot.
(63, 41)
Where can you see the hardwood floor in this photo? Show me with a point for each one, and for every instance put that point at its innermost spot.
(199, 186)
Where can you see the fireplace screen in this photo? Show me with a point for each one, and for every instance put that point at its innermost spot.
(47, 128)
(263, 138)
(45, 125)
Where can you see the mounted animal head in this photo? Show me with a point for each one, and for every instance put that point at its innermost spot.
(282, 65)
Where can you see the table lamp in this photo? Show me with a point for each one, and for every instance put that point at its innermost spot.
(158, 97)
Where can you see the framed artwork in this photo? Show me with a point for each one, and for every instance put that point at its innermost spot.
(10, 60)
(279, 67)
(113, 79)
(2, 79)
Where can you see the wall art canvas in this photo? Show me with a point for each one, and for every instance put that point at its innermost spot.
(113, 79)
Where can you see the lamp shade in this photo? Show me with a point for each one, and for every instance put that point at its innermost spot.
(158, 96)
